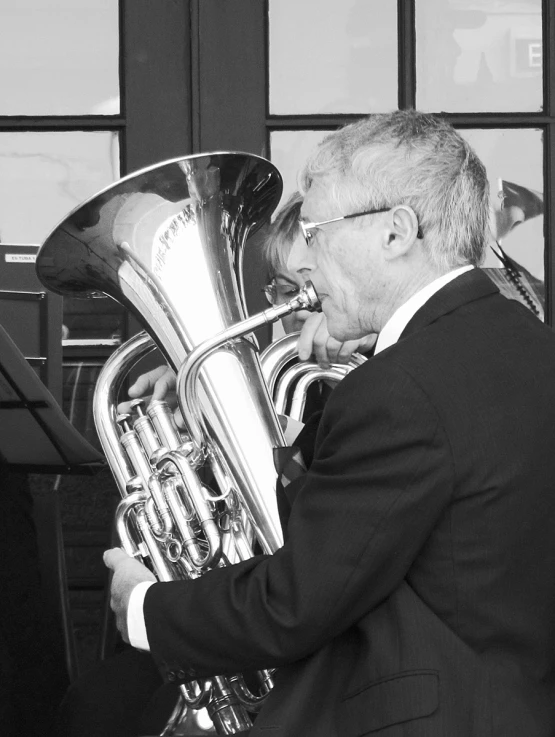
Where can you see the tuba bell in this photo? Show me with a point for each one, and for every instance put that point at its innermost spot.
(167, 243)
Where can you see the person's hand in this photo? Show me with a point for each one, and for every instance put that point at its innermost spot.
(316, 341)
(127, 573)
(158, 384)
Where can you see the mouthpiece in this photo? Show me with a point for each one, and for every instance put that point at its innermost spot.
(308, 298)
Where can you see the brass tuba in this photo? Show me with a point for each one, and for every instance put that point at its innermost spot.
(167, 243)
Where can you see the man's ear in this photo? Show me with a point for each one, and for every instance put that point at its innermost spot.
(402, 231)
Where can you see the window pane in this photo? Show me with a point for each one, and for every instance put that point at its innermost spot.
(97, 322)
(514, 162)
(79, 381)
(479, 55)
(288, 151)
(330, 57)
(59, 57)
(45, 175)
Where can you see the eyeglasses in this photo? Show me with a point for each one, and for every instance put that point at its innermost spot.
(278, 294)
(308, 227)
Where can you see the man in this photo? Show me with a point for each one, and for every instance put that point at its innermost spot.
(414, 595)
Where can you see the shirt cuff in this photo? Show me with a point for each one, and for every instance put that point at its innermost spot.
(136, 626)
(290, 428)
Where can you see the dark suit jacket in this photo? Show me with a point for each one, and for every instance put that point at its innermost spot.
(415, 595)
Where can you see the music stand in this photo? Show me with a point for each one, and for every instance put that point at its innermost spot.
(35, 435)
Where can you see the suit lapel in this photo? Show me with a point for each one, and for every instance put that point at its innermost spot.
(468, 287)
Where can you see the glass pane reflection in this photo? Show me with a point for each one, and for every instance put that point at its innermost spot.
(45, 175)
(330, 57)
(288, 151)
(514, 162)
(59, 57)
(479, 55)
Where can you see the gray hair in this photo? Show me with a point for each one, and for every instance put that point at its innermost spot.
(415, 159)
(281, 234)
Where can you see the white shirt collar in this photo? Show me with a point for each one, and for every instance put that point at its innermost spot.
(391, 331)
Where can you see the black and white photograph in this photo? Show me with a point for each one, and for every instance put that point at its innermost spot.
(277, 368)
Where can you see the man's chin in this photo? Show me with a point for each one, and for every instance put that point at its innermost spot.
(335, 323)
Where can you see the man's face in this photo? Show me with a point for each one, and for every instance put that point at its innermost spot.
(347, 267)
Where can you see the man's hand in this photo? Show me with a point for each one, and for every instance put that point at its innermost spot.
(158, 384)
(315, 340)
(127, 573)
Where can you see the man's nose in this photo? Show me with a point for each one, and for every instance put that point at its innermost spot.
(301, 257)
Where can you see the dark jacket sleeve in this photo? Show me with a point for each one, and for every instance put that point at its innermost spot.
(380, 478)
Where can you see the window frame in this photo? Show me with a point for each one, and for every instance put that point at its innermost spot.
(154, 67)
(544, 120)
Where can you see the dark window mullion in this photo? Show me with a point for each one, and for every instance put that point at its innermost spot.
(549, 153)
(406, 53)
(122, 89)
(156, 92)
(498, 120)
(195, 64)
(549, 205)
(461, 120)
(61, 123)
(310, 122)
(548, 51)
(232, 73)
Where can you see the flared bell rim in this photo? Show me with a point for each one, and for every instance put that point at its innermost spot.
(47, 252)
(136, 173)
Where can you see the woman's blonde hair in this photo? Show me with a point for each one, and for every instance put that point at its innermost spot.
(281, 234)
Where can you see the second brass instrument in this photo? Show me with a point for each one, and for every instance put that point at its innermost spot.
(289, 380)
